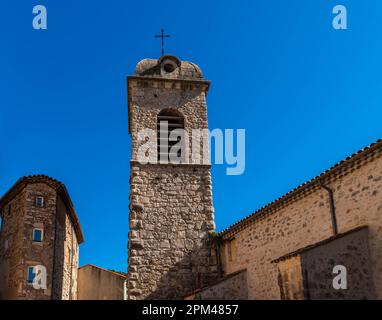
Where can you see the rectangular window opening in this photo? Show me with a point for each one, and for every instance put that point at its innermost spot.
(39, 202)
(37, 235)
(31, 275)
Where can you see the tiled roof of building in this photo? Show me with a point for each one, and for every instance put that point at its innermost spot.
(56, 185)
(338, 170)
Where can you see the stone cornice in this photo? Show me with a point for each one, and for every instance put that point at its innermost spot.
(191, 165)
(152, 80)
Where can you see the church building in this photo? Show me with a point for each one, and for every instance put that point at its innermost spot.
(322, 240)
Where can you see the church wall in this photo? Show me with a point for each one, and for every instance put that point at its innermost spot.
(233, 287)
(358, 199)
(358, 202)
(309, 273)
(350, 251)
(296, 226)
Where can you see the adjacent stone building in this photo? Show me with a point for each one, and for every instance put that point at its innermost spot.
(294, 247)
(40, 232)
(171, 212)
(95, 283)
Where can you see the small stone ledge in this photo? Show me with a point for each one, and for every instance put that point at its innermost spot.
(190, 165)
(151, 80)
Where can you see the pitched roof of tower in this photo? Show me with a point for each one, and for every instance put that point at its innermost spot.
(56, 185)
(340, 169)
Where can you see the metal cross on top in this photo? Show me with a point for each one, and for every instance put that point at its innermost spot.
(163, 36)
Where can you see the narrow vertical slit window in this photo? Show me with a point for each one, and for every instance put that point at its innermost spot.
(31, 275)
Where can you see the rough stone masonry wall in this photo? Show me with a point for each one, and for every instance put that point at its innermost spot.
(11, 247)
(358, 201)
(171, 210)
(233, 287)
(58, 271)
(18, 251)
(67, 255)
(70, 265)
(39, 253)
(349, 250)
(170, 253)
(150, 97)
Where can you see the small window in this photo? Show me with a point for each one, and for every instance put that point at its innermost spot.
(169, 67)
(39, 202)
(37, 235)
(31, 275)
(167, 122)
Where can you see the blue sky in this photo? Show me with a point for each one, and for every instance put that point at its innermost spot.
(307, 95)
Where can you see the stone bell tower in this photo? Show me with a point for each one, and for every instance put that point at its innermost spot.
(171, 215)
